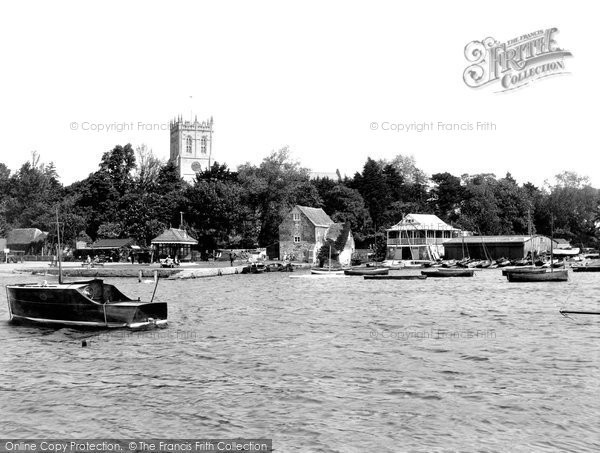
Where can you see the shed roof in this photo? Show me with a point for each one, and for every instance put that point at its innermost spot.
(422, 222)
(25, 236)
(113, 243)
(174, 236)
(316, 215)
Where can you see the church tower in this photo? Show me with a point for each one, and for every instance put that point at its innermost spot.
(191, 146)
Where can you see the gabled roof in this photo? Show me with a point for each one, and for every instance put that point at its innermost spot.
(490, 239)
(112, 243)
(25, 236)
(422, 222)
(174, 236)
(317, 216)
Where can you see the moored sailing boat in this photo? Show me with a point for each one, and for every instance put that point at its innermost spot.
(329, 270)
(545, 275)
(89, 303)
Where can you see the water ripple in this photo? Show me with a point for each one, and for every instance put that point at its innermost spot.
(323, 365)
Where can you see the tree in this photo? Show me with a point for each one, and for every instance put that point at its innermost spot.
(33, 192)
(479, 210)
(148, 167)
(217, 172)
(446, 195)
(373, 187)
(344, 204)
(380, 247)
(271, 190)
(215, 210)
(4, 180)
(514, 206)
(391, 189)
(118, 164)
(574, 205)
(102, 196)
(406, 167)
(110, 230)
(326, 251)
(414, 181)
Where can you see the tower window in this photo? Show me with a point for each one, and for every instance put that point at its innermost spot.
(296, 239)
(188, 145)
(296, 216)
(203, 144)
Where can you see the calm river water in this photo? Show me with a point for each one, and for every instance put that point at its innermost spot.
(323, 365)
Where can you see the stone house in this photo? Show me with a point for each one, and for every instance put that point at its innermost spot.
(303, 231)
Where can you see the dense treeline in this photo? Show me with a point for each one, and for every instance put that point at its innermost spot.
(134, 194)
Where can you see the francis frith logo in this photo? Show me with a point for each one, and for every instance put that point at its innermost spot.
(514, 63)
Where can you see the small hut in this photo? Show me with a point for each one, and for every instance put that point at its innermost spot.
(26, 241)
(174, 242)
(112, 249)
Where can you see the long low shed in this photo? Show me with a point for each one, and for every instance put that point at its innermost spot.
(495, 247)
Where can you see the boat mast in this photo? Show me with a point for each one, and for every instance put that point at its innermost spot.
(485, 253)
(59, 249)
(551, 242)
(530, 231)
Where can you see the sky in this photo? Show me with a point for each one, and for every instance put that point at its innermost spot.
(327, 79)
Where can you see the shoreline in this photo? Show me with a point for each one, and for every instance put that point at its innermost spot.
(125, 270)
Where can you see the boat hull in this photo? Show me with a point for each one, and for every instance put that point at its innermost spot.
(586, 269)
(377, 271)
(556, 276)
(523, 270)
(326, 272)
(83, 304)
(395, 277)
(448, 273)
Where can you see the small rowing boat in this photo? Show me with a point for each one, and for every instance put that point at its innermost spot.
(448, 273)
(594, 268)
(327, 271)
(367, 271)
(395, 277)
(576, 312)
(545, 276)
(523, 270)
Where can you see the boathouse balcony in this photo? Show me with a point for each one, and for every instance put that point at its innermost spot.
(411, 238)
(415, 241)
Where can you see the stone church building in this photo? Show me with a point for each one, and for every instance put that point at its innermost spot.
(191, 146)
